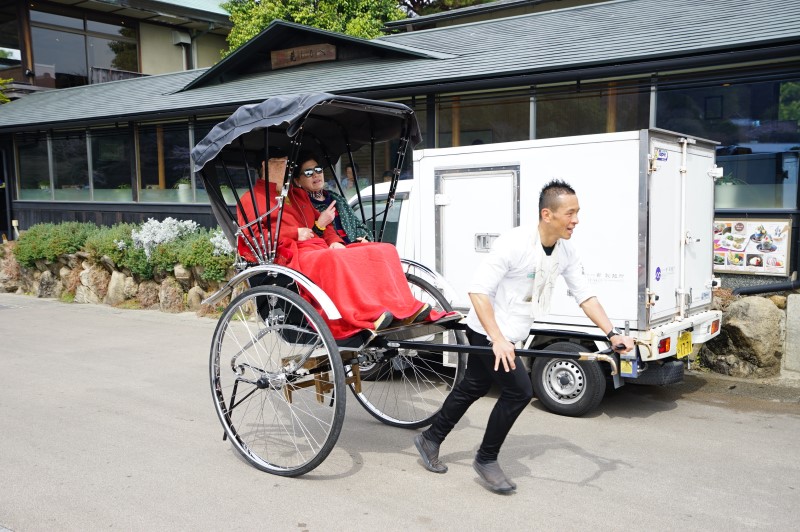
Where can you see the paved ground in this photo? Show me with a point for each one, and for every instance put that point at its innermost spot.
(107, 423)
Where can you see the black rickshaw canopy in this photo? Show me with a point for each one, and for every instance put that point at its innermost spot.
(332, 125)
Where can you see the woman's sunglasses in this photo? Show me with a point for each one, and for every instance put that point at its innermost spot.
(308, 172)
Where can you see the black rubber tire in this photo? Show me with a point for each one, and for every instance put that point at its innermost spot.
(277, 381)
(567, 387)
(408, 389)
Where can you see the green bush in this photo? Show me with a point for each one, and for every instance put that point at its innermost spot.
(198, 250)
(112, 242)
(48, 241)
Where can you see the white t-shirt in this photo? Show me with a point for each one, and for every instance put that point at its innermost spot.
(508, 276)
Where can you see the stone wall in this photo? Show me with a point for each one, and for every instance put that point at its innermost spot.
(74, 275)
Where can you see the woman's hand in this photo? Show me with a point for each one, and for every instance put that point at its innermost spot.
(327, 216)
(337, 245)
(304, 233)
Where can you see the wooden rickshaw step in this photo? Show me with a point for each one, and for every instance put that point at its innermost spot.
(319, 369)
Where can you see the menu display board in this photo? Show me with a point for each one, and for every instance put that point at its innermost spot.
(758, 247)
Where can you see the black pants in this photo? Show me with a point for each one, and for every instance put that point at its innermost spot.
(515, 395)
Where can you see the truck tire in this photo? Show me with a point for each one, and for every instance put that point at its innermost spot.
(565, 386)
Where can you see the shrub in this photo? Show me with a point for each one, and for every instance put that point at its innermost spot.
(204, 249)
(48, 241)
(112, 242)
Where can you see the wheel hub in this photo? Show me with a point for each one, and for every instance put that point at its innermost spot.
(565, 378)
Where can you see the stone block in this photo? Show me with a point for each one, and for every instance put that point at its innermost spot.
(791, 358)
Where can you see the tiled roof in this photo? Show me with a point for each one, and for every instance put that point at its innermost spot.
(621, 32)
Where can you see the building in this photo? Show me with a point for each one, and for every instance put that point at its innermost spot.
(727, 70)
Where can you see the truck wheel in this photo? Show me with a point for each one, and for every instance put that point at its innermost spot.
(565, 386)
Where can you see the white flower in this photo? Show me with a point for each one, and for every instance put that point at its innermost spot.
(152, 233)
(121, 245)
(221, 244)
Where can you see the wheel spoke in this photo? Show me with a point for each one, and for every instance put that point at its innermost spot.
(273, 346)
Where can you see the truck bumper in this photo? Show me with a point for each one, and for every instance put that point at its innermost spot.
(665, 341)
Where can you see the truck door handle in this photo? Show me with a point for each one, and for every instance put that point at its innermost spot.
(484, 241)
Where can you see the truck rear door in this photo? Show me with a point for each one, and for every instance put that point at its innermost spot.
(679, 266)
(464, 236)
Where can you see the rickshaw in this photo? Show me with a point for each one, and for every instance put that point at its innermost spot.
(277, 375)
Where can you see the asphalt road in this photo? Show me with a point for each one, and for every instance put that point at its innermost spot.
(107, 424)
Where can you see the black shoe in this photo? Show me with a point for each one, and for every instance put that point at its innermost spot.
(420, 315)
(383, 321)
(493, 476)
(429, 452)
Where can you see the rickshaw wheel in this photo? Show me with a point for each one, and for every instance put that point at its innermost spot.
(406, 387)
(277, 381)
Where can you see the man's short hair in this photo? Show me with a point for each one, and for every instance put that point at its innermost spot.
(548, 197)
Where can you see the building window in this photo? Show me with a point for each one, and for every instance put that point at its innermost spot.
(33, 167)
(756, 123)
(70, 167)
(589, 108)
(72, 50)
(466, 120)
(112, 153)
(10, 51)
(164, 171)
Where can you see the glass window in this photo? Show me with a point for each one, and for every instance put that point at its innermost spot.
(111, 54)
(584, 109)
(101, 51)
(10, 66)
(112, 152)
(70, 167)
(57, 20)
(483, 119)
(392, 218)
(164, 173)
(60, 58)
(757, 126)
(33, 167)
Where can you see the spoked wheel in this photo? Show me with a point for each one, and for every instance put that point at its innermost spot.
(406, 387)
(277, 381)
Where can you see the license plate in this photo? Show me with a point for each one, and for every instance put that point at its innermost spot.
(684, 344)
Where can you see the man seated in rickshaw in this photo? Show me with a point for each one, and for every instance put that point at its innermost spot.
(365, 280)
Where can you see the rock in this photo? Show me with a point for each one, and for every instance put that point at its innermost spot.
(10, 273)
(780, 301)
(170, 296)
(183, 276)
(49, 285)
(147, 294)
(750, 343)
(195, 297)
(98, 279)
(73, 261)
(84, 295)
(131, 287)
(71, 280)
(109, 265)
(41, 265)
(722, 299)
(116, 289)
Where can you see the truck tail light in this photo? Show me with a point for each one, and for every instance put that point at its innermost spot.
(714, 326)
(663, 346)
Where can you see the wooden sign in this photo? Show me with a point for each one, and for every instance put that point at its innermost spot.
(302, 54)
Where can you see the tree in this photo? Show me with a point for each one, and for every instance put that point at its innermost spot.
(359, 18)
(428, 7)
(3, 97)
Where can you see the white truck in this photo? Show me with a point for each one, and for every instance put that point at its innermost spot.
(645, 236)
